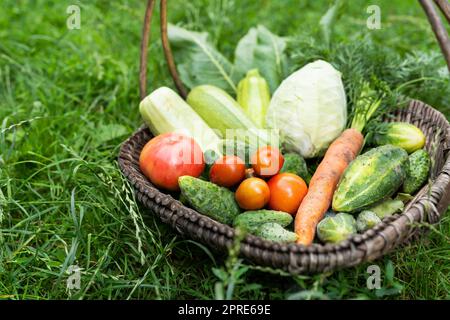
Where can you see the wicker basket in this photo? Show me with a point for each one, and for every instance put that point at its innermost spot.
(427, 206)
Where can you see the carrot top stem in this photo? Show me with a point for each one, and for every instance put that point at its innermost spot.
(366, 106)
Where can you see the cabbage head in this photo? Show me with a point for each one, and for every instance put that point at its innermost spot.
(309, 108)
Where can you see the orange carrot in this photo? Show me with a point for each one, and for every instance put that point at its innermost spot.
(323, 183)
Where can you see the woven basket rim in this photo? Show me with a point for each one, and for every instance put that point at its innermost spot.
(296, 258)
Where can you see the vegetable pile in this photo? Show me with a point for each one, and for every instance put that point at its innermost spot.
(301, 165)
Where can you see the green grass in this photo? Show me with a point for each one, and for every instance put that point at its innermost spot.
(69, 98)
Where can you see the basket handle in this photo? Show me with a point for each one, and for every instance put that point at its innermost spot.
(444, 5)
(433, 17)
(437, 25)
(166, 47)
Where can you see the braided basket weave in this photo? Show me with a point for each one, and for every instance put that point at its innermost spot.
(428, 204)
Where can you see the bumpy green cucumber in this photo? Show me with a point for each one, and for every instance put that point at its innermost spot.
(371, 177)
(274, 232)
(419, 167)
(400, 134)
(209, 199)
(294, 163)
(252, 220)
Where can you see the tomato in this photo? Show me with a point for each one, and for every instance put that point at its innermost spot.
(252, 194)
(227, 171)
(267, 161)
(169, 156)
(287, 191)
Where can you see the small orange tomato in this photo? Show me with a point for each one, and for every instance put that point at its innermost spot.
(227, 171)
(252, 194)
(287, 191)
(267, 161)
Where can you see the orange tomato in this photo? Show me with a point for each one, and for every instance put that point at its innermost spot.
(227, 171)
(252, 194)
(267, 161)
(287, 191)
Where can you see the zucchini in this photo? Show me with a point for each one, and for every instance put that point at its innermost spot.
(371, 177)
(399, 134)
(221, 112)
(165, 111)
(419, 167)
(209, 199)
(274, 232)
(253, 96)
(252, 220)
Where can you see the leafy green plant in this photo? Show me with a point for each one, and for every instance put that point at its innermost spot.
(199, 62)
(232, 274)
(265, 51)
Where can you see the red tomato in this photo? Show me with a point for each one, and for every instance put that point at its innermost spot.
(267, 161)
(227, 171)
(169, 156)
(287, 191)
(252, 194)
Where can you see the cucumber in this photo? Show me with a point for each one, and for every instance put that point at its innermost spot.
(274, 232)
(399, 134)
(183, 199)
(253, 95)
(209, 199)
(294, 163)
(371, 177)
(252, 220)
(419, 167)
(221, 112)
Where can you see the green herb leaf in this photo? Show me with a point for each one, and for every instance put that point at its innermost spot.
(199, 62)
(263, 50)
